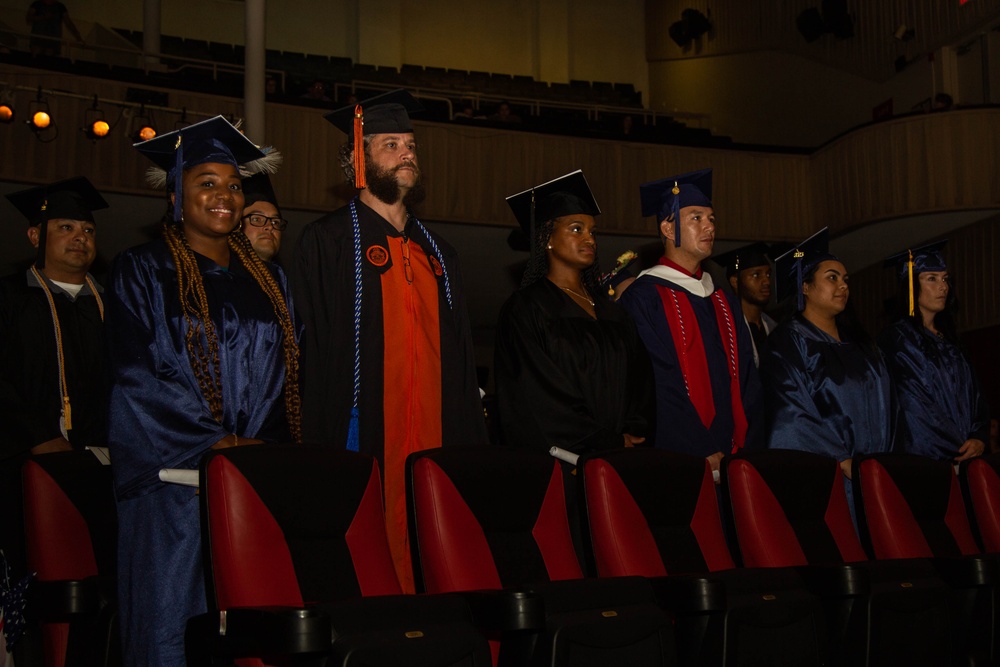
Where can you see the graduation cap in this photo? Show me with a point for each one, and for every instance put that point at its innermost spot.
(734, 261)
(792, 267)
(387, 113)
(70, 199)
(213, 140)
(258, 188)
(913, 262)
(666, 197)
(566, 195)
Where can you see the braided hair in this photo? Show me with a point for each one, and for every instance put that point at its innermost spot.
(538, 264)
(201, 339)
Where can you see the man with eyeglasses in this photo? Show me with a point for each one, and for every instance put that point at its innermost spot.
(262, 221)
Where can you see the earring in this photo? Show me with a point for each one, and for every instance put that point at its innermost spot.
(548, 247)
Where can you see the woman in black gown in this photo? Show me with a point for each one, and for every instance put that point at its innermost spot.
(570, 369)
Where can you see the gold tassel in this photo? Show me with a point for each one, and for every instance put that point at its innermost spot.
(67, 414)
(359, 148)
(909, 270)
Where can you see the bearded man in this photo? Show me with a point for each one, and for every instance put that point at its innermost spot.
(388, 366)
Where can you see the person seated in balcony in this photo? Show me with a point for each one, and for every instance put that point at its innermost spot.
(46, 19)
(504, 114)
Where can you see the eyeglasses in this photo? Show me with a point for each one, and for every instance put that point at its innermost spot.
(258, 220)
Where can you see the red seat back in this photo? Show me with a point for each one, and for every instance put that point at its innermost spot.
(291, 525)
(789, 508)
(980, 479)
(652, 513)
(911, 507)
(487, 518)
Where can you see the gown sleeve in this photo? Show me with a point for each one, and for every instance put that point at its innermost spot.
(536, 399)
(159, 418)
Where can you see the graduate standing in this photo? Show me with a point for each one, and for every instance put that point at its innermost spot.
(570, 368)
(389, 366)
(53, 377)
(706, 385)
(826, 387)
(939, 398)
(204, 355)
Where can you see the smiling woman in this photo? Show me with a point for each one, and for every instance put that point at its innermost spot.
(204, 355)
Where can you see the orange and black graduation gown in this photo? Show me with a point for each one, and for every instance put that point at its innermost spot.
(417, 373)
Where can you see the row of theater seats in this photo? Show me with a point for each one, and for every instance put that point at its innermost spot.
(300, 572)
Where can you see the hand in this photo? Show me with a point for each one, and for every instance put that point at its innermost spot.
(970, 449)
(845, 465)
(233, 441)
(632, 440)
(59, 444)
(715, 460)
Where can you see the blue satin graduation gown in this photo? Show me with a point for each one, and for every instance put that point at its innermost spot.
(825, 396)
(160, 419)
(939, 397)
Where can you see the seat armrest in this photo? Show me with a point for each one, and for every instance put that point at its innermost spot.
(59, 600)
(506, 610)
(261, 631)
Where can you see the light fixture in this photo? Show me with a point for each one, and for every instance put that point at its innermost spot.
(693, 24)
(95, 126)
(143, 128)
(39, 117)
(7, 106)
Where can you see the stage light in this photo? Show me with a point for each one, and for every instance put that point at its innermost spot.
(39, 116)
(143, 128)
(6, 113)
(95, 126)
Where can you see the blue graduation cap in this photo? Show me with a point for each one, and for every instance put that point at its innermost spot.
(666, 197)
(213, 140)
(913, 262)
(792, 267)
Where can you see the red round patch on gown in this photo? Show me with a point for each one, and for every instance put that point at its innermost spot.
(436, 266)
(378, 255)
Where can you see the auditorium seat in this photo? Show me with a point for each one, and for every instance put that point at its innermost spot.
(911, 507)
(71, 532)
(788, 508)
(494, 519)
(980, 481)
(298, 566)
(655, 513)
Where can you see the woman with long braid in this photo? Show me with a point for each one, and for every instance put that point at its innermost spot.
(204, 355)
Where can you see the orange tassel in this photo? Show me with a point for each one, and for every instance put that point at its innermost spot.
(359, 148)
(909, 271)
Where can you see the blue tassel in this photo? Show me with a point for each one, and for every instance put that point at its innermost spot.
(352, 432)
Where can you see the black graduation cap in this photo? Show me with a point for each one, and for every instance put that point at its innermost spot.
(566, 195)
(258, 188)
(666, 197)
(912, 262)
(213, 140)
(383, 114)
(70, 199)
(734, 261)
(792, 266)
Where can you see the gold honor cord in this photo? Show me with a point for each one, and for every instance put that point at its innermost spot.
(67, 412)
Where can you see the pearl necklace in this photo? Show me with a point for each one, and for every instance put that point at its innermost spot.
(577, 294)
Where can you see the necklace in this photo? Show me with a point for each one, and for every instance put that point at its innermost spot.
(577, 294)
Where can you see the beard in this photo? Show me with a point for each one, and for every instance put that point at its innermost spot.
(383, 186)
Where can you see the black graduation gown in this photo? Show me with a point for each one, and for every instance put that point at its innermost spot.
(323, 283)
(30, 395)
(566, 379)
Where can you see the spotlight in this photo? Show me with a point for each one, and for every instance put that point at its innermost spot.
(39, 118)
(6, 113)
(143, 128)
(95, 126)
(693, 24)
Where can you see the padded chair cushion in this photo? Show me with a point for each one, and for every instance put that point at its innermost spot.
(653, 513)
(790, 508)
(312, 520)
(913, 507)
(981, 490)
(468, 538)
